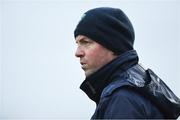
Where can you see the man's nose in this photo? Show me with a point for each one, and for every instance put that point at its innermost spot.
(79, 52)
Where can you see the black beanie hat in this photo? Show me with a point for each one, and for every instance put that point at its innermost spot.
(110, 27)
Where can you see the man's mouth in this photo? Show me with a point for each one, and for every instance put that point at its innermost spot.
(83, 65)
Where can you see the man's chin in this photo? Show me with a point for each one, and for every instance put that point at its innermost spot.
(88, 72)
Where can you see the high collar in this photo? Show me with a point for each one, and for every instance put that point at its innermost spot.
(94, 84)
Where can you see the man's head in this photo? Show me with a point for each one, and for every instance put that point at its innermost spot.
(109, 27)
(111, 33)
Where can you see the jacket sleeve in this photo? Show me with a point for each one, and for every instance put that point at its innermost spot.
(125, 103)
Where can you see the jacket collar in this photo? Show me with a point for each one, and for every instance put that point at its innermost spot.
(94, 84)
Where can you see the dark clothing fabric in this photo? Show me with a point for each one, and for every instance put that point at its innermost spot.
(123, 89)
(126, 103)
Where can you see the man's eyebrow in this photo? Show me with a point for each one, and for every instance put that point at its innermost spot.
(81, 39)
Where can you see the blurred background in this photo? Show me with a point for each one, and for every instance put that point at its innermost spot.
(39, 74)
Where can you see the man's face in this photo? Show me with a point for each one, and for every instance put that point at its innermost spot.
(92, 55)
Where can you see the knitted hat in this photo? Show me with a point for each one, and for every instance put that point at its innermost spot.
(109, 27)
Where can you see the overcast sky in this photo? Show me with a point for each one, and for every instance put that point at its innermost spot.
(39, 74)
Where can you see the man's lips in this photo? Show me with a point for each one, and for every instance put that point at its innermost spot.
(82, 62)
(83, 65)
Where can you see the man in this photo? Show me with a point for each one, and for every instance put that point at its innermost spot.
(120, 87)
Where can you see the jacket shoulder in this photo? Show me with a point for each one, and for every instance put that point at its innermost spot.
(127, 103)
(133, 77)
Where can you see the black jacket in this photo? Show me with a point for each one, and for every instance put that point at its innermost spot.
(123, 89)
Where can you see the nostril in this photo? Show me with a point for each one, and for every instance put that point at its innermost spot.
(76, 54)
(79, 53)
